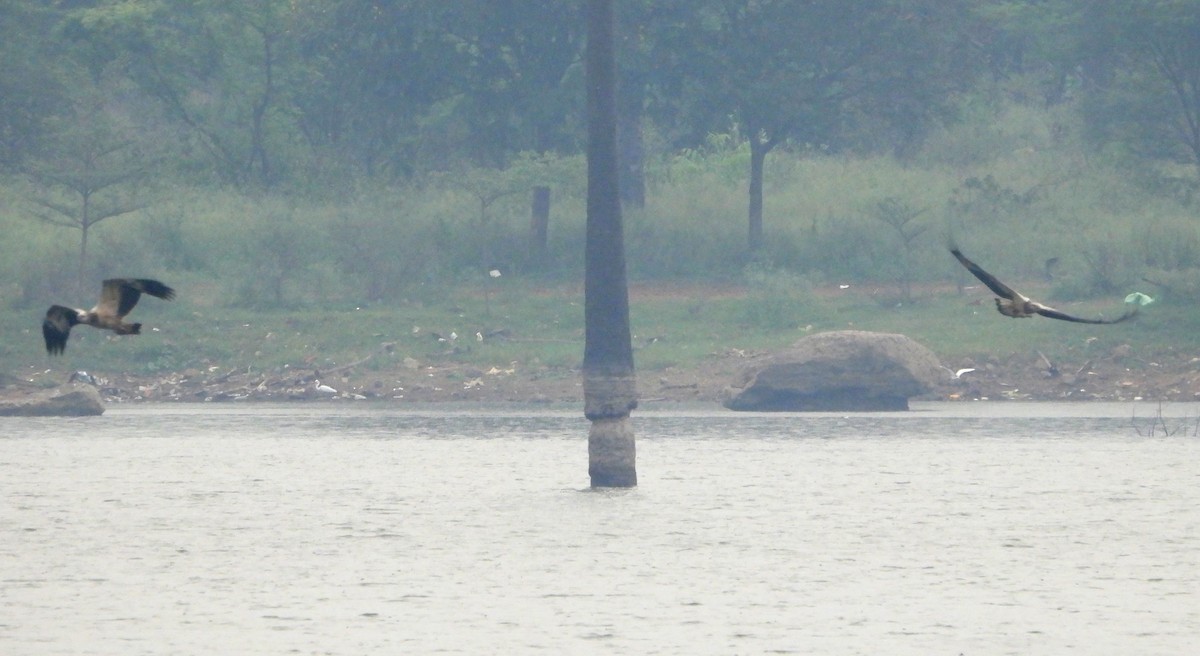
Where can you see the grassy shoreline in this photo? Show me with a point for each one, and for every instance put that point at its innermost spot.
(689, 341)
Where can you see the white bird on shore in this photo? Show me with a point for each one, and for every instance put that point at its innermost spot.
(84, 377)
(324, 389)
(960, 373)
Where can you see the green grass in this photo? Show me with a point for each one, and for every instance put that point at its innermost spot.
(681, 327)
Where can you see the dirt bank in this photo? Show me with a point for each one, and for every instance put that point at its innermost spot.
(1112, 377)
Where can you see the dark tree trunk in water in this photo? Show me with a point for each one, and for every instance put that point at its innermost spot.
(609, 385)
(539, 226)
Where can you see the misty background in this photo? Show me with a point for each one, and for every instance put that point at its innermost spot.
(275, 153)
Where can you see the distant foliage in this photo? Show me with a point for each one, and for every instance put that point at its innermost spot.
(1103, 268)
(724, 156)
(780, 300)
(1179, 286)
(830, 218)
(987, 201)
(1168, 243)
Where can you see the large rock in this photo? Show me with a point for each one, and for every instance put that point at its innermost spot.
(80, 401)
(847, 370)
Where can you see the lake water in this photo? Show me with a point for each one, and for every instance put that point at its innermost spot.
(335, 529)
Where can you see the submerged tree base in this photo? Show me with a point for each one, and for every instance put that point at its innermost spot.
(611, 453)
(607, 393)
(609, 396)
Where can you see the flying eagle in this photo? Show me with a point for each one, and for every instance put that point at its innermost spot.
(1012, 303)
(117, 298)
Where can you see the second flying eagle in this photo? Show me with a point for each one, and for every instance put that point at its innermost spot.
(1012, 303)
(117, 298)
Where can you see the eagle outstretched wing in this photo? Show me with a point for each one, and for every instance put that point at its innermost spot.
(998, 288)
(118, 296)
(56, 327)
(1049, 312)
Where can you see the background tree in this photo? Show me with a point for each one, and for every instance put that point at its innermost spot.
(525, 77)
(638, 24)
(90, 173)
(214, 67)
(32, 92)
(525, 172)
(1147, 97)
(1031, 49)
(803, 70)
(900, 217)
(381, 84)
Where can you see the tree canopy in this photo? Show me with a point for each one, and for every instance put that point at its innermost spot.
(268, 93)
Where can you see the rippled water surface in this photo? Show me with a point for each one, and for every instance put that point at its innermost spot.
(972, 529)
